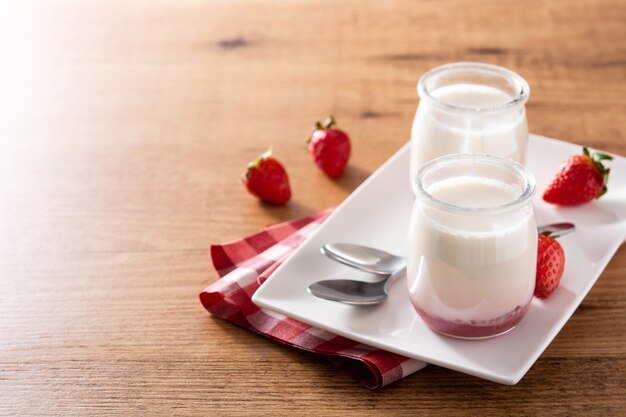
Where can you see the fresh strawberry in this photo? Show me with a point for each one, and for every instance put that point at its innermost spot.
(578, 180)
(550, 265)
(329, 147)
(267, 179)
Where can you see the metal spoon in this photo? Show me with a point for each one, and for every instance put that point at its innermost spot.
(379, 262)
(352, 291)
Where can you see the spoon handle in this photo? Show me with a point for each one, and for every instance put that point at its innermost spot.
(393, 277)
(557, 229)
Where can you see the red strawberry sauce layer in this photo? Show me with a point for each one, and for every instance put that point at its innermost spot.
(472, 328)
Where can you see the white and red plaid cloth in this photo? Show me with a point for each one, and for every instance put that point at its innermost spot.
(244, 265)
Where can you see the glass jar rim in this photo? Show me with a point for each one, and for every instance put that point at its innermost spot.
(478, 67)
(481, 158)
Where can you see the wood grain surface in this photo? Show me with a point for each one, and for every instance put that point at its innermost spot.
(124, 127)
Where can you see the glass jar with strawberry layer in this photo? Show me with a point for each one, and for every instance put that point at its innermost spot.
(472, 245)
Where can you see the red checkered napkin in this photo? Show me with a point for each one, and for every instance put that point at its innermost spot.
(244, 265)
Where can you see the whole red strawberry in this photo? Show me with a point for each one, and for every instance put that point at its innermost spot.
(550, 265)
(578, 180)
(267, 179)
(329, 147)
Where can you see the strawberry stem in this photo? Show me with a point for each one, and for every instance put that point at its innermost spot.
(258, 161)
(328, 124)
(318, 126)
(266, 154)
(601, 157)
(597, 158)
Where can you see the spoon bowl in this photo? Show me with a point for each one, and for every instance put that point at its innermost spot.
(355, 292)
(364, 258)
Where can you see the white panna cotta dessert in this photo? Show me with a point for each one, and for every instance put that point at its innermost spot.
(472, 245)
(470, 108)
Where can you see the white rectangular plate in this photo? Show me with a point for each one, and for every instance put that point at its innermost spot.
(377, 214)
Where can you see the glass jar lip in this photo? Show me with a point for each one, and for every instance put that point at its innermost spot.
(495, 70)
(481, 158)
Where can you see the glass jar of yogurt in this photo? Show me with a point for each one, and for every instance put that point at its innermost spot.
(469, 108)
(472, 245)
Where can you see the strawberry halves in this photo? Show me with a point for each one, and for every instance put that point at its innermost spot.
(550, 266)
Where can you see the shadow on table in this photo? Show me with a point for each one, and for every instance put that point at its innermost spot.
(292, 210)
(351, 178)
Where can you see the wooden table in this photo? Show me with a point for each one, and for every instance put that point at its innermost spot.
(124, 127)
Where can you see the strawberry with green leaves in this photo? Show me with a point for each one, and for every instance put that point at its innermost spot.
(267, 179)
(329, 147)
(579, 180)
